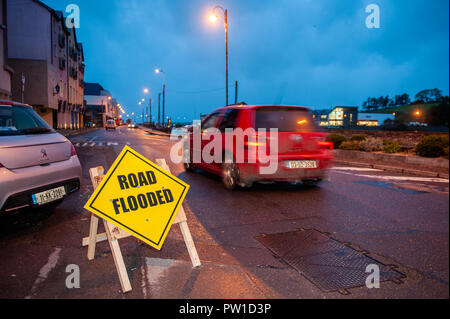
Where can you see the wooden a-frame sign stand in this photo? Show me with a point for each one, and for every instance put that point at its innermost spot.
(114, 233)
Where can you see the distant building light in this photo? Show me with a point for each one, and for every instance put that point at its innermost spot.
(368, 123)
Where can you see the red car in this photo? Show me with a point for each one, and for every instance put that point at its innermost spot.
(302, 154)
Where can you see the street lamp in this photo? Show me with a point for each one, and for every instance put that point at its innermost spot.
(149, 114)
(163, 92)
(418, 113)
(213, 17)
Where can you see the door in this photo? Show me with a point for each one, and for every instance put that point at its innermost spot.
(208, 124)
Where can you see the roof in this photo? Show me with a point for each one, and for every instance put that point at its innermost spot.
(246, 107)
(380, 117)
(349, 108)
(93, 89)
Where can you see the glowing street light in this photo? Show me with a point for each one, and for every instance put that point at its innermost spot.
(145, 90)
(213, 17)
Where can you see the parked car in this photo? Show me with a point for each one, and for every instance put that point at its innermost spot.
(39, 167)
(89, 124)
(110, 125)
(303, 154)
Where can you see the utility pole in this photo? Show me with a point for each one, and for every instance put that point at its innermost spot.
(150, 110)
(159, 108)
(164, 104)
(236, 93)
(226, 48)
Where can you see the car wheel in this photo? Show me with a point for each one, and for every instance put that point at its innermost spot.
(230, 175)
(188, 166)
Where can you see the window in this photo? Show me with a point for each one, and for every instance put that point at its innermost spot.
(20, 120)
(210, 121)
(285, 119)
(229, 120)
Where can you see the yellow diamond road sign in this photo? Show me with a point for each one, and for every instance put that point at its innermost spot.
(139, 197)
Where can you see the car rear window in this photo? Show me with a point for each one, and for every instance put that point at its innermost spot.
(21, 120)
(285, 119)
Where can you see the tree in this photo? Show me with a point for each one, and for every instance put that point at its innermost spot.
(428, 96)
(402, 99)
(438, 115)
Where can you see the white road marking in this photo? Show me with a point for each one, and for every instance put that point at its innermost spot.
(363, 169)
(93, 144)
(407, 178)
(400, 178)
(144, 281)
(113, 143)
(84, 144)
(45, 270)
(100, 144)
(77, 144)
(92, 139)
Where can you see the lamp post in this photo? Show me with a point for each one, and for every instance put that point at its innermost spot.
(163, 93)
(213, 18)
(149, 115)
(418, 113)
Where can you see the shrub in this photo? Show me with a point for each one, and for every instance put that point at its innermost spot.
(349, 146)
(432, 146)
(392, 147)
(371, 144)
(358, 137)
(337, 139)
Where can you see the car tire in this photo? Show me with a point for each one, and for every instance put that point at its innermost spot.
(230, 175)
(188, 167)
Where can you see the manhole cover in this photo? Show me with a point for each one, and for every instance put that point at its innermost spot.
(329, 264)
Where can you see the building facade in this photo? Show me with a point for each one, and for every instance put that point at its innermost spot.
(374, 119)
(343, 116)
(100, 106)
(5, 70)
(48, 63)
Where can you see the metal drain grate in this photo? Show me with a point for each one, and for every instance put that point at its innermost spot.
(327, 263)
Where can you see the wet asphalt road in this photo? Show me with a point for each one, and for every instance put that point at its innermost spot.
(395, 218)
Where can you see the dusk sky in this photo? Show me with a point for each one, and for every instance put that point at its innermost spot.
(297, 52)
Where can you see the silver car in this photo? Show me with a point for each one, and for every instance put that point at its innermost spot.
(38, 166)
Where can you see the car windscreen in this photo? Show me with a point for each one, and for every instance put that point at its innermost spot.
(21, 120)
(285, 119)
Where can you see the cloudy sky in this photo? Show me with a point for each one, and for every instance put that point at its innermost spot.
(302, 52)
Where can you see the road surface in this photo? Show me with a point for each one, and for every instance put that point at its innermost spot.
(394, 218)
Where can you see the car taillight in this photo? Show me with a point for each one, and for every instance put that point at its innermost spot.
(325, 145)
(250, 143)
(73, 152)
